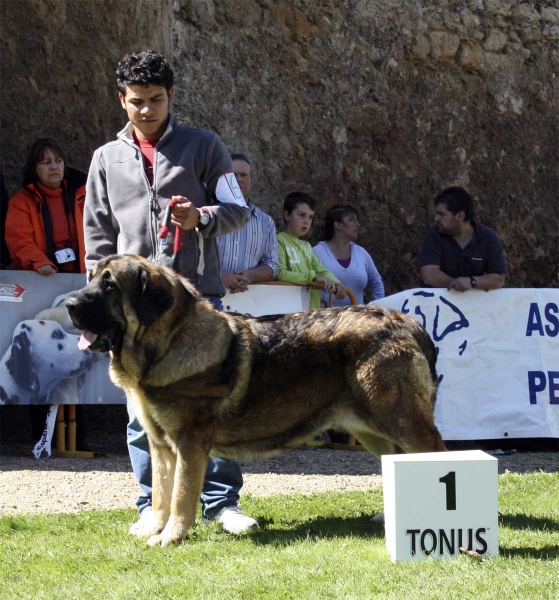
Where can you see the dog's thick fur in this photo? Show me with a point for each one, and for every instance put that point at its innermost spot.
(203, 381)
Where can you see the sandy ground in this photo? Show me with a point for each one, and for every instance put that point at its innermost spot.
(62, 485)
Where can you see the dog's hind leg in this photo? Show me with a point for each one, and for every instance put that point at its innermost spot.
(424, 438)
(418, 432)
(400, 410)
(375, 444)
(378, 446)
(414, 431)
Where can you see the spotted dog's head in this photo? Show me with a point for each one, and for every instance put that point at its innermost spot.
(40, 356)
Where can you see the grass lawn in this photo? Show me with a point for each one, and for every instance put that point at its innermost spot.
(321, 546)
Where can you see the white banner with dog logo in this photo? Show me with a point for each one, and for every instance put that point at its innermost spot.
(498, 359)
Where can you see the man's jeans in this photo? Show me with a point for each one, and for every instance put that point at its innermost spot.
(223, 479)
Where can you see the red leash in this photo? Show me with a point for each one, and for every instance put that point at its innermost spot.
(166, 225)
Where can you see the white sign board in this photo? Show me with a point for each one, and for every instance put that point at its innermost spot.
(260, 300)
(437, 502)
(498, 359)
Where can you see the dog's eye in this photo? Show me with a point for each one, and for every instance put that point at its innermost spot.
(108, 284)
(57, 334)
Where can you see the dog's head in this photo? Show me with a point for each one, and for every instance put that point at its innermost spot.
(124, 293)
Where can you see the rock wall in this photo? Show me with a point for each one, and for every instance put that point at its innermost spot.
(58, 64)
(380, 103)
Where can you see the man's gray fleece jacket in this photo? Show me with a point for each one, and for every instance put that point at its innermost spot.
(122, 212)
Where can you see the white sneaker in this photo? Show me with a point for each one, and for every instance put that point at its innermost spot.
(144, 526)
(234, 520)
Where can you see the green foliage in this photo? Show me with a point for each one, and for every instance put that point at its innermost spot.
(316, 547)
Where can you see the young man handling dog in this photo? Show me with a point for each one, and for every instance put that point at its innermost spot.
(131, 182)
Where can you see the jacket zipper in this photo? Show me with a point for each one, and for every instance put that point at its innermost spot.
(156, 247)
(157, 244)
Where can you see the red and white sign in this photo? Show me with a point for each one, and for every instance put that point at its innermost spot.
(11, 292)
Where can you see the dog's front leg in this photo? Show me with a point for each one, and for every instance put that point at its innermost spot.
(163, 463)
(191, 464)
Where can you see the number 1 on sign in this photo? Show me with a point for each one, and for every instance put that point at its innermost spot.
(450, 483)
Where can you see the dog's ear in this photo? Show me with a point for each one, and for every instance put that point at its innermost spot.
(153, 296)
(20, 364)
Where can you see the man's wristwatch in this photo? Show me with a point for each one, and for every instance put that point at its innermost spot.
(473, 282)
(203, 217)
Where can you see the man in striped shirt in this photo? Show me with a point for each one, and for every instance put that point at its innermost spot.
(249, 254)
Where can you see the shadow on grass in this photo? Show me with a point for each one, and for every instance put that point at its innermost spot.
(299, 461)
(545, 553)
(520, 521)
(536, 524)
(326, 528)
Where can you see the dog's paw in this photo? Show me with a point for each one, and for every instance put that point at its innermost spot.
(163, 540)
(174, 532)
(146, 526)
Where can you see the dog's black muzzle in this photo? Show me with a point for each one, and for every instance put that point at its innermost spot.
(90, 314)
(81, 309)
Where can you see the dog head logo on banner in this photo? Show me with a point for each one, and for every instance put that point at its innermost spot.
(444, 321)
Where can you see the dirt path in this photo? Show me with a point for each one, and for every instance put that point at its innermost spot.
(58, 485)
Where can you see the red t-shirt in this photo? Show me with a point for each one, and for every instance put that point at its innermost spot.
(147, 148)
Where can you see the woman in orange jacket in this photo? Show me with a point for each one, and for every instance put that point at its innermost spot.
(44, 224)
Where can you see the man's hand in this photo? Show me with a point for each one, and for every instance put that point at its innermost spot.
(46, 270)
(235, 281)
(325, 283)
(460, 284)
(184, 214)
(248, 273)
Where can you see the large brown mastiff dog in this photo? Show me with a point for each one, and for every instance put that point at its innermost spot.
(203, 381)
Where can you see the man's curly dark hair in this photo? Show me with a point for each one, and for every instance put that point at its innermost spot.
(143, 68)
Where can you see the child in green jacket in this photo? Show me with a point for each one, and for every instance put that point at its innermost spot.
(297, 262)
